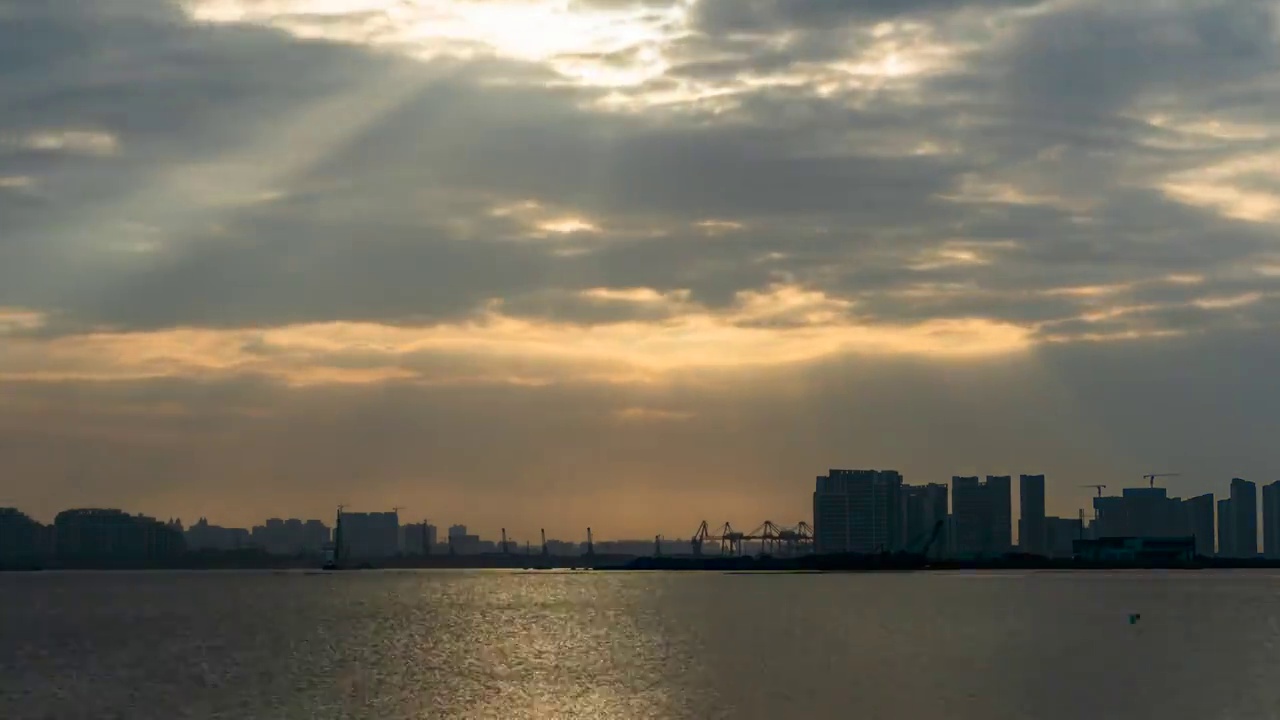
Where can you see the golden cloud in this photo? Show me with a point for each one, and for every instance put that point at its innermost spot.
(783, 326)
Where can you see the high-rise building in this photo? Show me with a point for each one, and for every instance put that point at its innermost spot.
(982, 515)
(1060, 533)
(203, 536)
(923, 507)
(23, 541)
(1244, 506)
(1140, 512)
(291, 537)
(1271, 520)
(1032, 537)
(370, 535)
(858, 511)
(1198, 512)
(113, 537)
(419, 538)
(1226, 529)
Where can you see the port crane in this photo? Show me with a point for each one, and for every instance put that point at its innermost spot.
(772, 537)
(1151, 477)
(702, 535)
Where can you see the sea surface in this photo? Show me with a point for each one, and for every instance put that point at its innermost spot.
(514, 645)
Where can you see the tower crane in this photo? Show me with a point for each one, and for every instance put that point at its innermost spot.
(1151, 477)
(1099, 488)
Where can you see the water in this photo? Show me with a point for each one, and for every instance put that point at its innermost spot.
(511, 645)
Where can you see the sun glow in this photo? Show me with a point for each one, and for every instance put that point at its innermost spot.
(603, 47)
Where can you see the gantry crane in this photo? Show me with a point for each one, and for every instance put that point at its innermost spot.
(772, 537)
(702, 535)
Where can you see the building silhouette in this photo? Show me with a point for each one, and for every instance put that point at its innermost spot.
(1244, 518)
(291, 537)
(1271, 520)
(923, 506)
(203, 536)
(108, 537)
(982, 515)
(462, 542)
(367, 536)
(858, 511)
(1139, 512)
(1060, 534)
(1032, 535)
(1226, 529)
(1198, 514)
(419, 539)
(23, 541)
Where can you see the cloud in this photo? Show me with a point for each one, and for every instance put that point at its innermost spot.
(328, 205)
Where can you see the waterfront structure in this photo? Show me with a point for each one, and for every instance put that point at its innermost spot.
(106, 536)
(1198, 522)
(1032, 536)
(1271, 520)
(1244, 518)
(1136, 549)
(982, 515)
(858, 511)
(923, 506)
(367, 536)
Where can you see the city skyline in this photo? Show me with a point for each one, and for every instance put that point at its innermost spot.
(520, 530)
(629, 263)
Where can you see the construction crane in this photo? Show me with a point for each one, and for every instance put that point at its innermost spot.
(591, 545)
(544, 542)
(926, 539)
(933, 537)
(1151, 478)
(506, 549)
(1099, 488)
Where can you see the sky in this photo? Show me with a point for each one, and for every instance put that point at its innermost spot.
(630, 264)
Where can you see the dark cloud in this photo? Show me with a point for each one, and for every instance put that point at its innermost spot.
(727, 16)
(255, 179)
